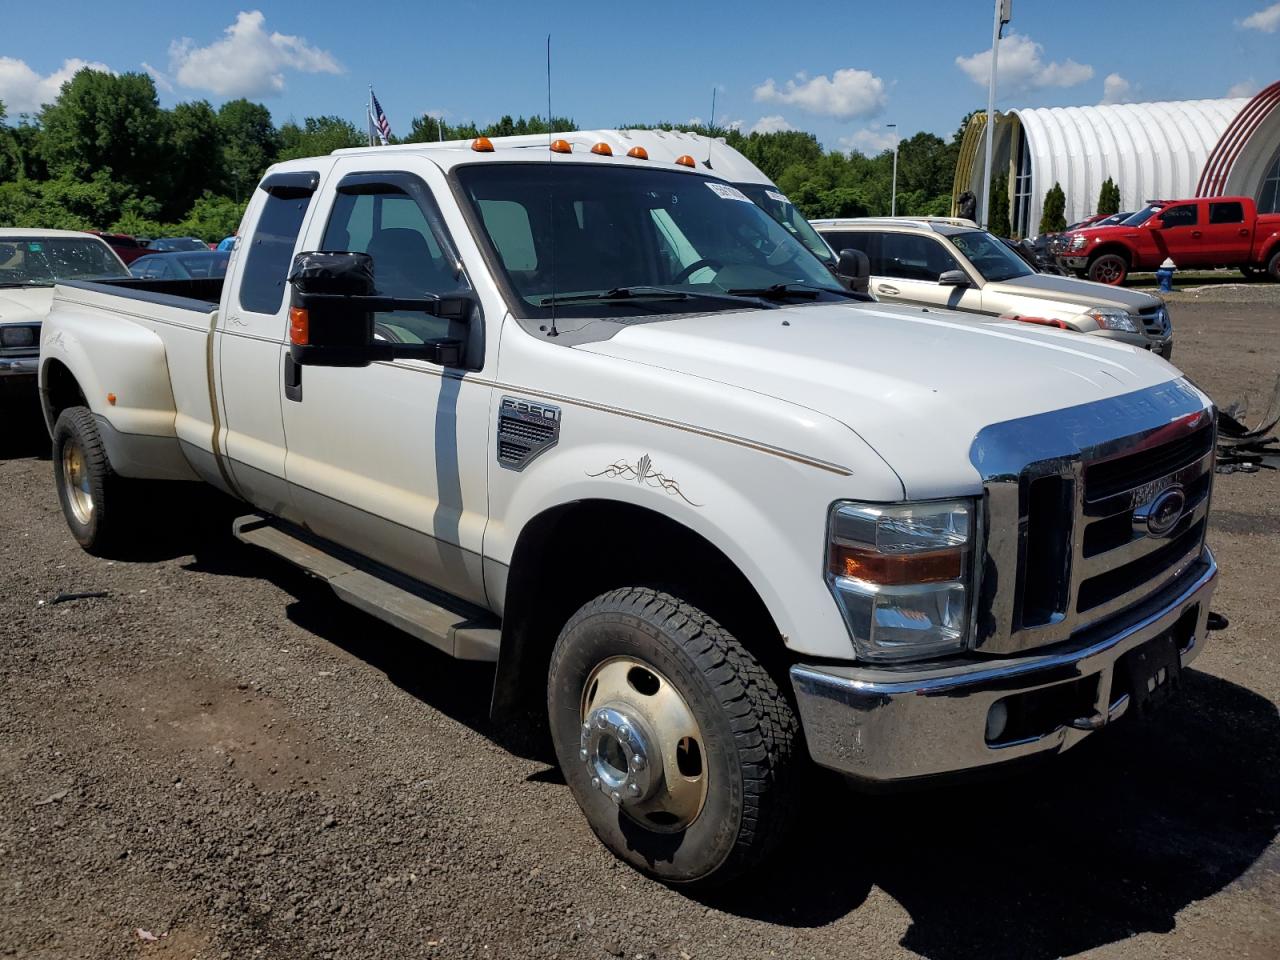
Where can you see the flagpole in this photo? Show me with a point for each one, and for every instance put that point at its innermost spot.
(368, 114)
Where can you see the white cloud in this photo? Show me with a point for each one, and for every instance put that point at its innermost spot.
(870, 140)
(25, 91)
(1245, 88)
(1267, 19)
(1022, 67)
(771, 124)
(846, 94)
(247, 61)
(1116, 89)
(162, 82)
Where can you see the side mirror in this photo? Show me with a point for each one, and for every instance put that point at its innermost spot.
(953, 278)
(854, 268)
(331, 310)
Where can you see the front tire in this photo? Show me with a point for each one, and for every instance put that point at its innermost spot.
(90, 492)
(676, 742)
(1110, 268)
(1273, 267)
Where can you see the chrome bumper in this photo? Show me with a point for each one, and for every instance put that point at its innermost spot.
(19, 366)
(931, 719)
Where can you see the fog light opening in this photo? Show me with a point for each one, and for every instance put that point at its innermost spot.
(997, 720)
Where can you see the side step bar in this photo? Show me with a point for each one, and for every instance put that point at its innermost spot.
(448, 624)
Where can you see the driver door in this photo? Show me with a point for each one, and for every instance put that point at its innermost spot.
(389, 459)
(907, 267)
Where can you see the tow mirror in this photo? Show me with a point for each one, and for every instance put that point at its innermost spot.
(331, 314)
(854, 268)
(953, 278)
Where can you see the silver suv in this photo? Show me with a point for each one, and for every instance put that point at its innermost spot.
(953, 264)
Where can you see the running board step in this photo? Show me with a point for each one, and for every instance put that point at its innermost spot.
(448, 624)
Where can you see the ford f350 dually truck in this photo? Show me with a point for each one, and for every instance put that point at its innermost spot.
(602, 421)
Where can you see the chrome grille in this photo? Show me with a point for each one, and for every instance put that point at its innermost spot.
(1155, 320)
(1064, 548)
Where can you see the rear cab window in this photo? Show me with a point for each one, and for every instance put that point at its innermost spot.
(1231, 211)
(275, 235)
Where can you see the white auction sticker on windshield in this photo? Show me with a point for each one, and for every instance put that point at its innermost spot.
(727, 192)
(775, 195)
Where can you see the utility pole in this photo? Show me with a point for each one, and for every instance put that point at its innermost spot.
(1003, 14)
(893, 194)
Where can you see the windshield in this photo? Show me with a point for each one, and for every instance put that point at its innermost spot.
(990, 257)
(673, 242)
(177, 243)
(1143, 215)
(775, 203)
(41, 262)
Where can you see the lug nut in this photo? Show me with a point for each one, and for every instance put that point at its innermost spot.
(637, 762)
(617, 799)
(624, 732)
(582, 754)
(602, 721)
(633, 789)
(595, 782)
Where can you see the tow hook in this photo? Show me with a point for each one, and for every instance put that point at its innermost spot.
(1217, 621)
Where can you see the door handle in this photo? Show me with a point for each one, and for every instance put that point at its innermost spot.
(292, 379)
(886, 288)
(1195, 233)
(1243, 232)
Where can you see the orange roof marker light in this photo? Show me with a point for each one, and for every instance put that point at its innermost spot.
(685, 161)
(561, 146)
(482, 145)
(638, 153)
(603, 149)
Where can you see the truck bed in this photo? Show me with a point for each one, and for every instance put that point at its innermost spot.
(198, 294)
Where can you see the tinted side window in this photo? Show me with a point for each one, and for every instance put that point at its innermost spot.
(1183, 216)
(1229, 212)
(910, 257)
(270, 253)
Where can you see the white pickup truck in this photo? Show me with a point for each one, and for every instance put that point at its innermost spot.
(603, 421)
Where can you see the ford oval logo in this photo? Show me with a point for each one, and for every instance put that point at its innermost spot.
(1159, 515)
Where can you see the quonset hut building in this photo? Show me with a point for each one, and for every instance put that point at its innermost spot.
(1153, 151)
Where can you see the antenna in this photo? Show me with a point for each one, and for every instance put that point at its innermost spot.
(551, 196)
(711, 127)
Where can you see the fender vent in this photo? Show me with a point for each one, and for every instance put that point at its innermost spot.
(525, 429)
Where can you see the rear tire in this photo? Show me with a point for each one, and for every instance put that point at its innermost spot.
(1273, 267)
(1110, 268)
(677, 744)
(90, 492)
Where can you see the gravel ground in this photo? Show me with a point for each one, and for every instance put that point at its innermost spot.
(220, 755)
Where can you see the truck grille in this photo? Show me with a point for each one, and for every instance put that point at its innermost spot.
(1092, 514)
(1155, 320)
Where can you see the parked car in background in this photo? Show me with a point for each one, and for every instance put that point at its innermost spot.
(944, 263)
(1200, 233)
(31, 262)
(193, 265)
(170, 244)
(127, 248)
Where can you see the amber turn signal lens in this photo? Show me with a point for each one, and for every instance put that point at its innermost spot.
(889, 569)
(482, 145)
(299, 326)
(603, 149)
(561, 146)
(638, 153)
(685, 161)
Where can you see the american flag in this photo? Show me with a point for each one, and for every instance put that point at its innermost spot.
(379, 118)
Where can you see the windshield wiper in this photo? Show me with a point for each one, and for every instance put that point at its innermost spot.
(792, 288)
(645, 294)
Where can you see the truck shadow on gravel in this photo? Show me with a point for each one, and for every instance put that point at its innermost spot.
(22, 431)
(1112, 840)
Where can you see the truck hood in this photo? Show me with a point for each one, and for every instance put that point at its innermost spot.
(1069, 291)
(915, 385)
(25, 304)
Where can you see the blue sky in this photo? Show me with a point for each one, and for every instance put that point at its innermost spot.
(842, 71)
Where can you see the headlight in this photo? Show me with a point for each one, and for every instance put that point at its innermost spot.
(1114, 320)
(902, 576)
(1078, 242)
(17, 336)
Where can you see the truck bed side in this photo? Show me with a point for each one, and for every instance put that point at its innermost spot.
(137, 352)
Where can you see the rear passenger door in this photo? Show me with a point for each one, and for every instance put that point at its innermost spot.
(1227, 238)
(389, 460)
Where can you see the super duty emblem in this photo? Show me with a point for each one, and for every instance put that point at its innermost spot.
(526, 428)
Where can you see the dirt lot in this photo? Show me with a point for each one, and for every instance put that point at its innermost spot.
(220, 754)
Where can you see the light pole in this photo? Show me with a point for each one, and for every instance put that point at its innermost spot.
(1003, 14)
(893, 194)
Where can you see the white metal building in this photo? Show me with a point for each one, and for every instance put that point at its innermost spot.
(1164, 150)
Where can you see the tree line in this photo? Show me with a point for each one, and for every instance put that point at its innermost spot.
(105, 155)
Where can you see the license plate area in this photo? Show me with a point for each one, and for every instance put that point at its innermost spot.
(1151, 673)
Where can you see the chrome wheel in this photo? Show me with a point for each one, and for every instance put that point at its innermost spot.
(641, 745)
(75, 482)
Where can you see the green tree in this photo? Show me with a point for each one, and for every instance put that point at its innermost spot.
(318, 136)
(999, 215)
(250, 144)
(212, 218)
(103, 123)
(1053, 218)
(195, 141)
(1109, 198)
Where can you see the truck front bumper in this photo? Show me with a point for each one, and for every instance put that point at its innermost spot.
(925, 720)
(18, 373)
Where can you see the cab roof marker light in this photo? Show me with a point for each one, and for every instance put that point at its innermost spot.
(685, 160)
(603, 149)
(638, 153)
(482, 145)
(561, 146)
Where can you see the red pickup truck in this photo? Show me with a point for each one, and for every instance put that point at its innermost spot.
(1198, 233)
